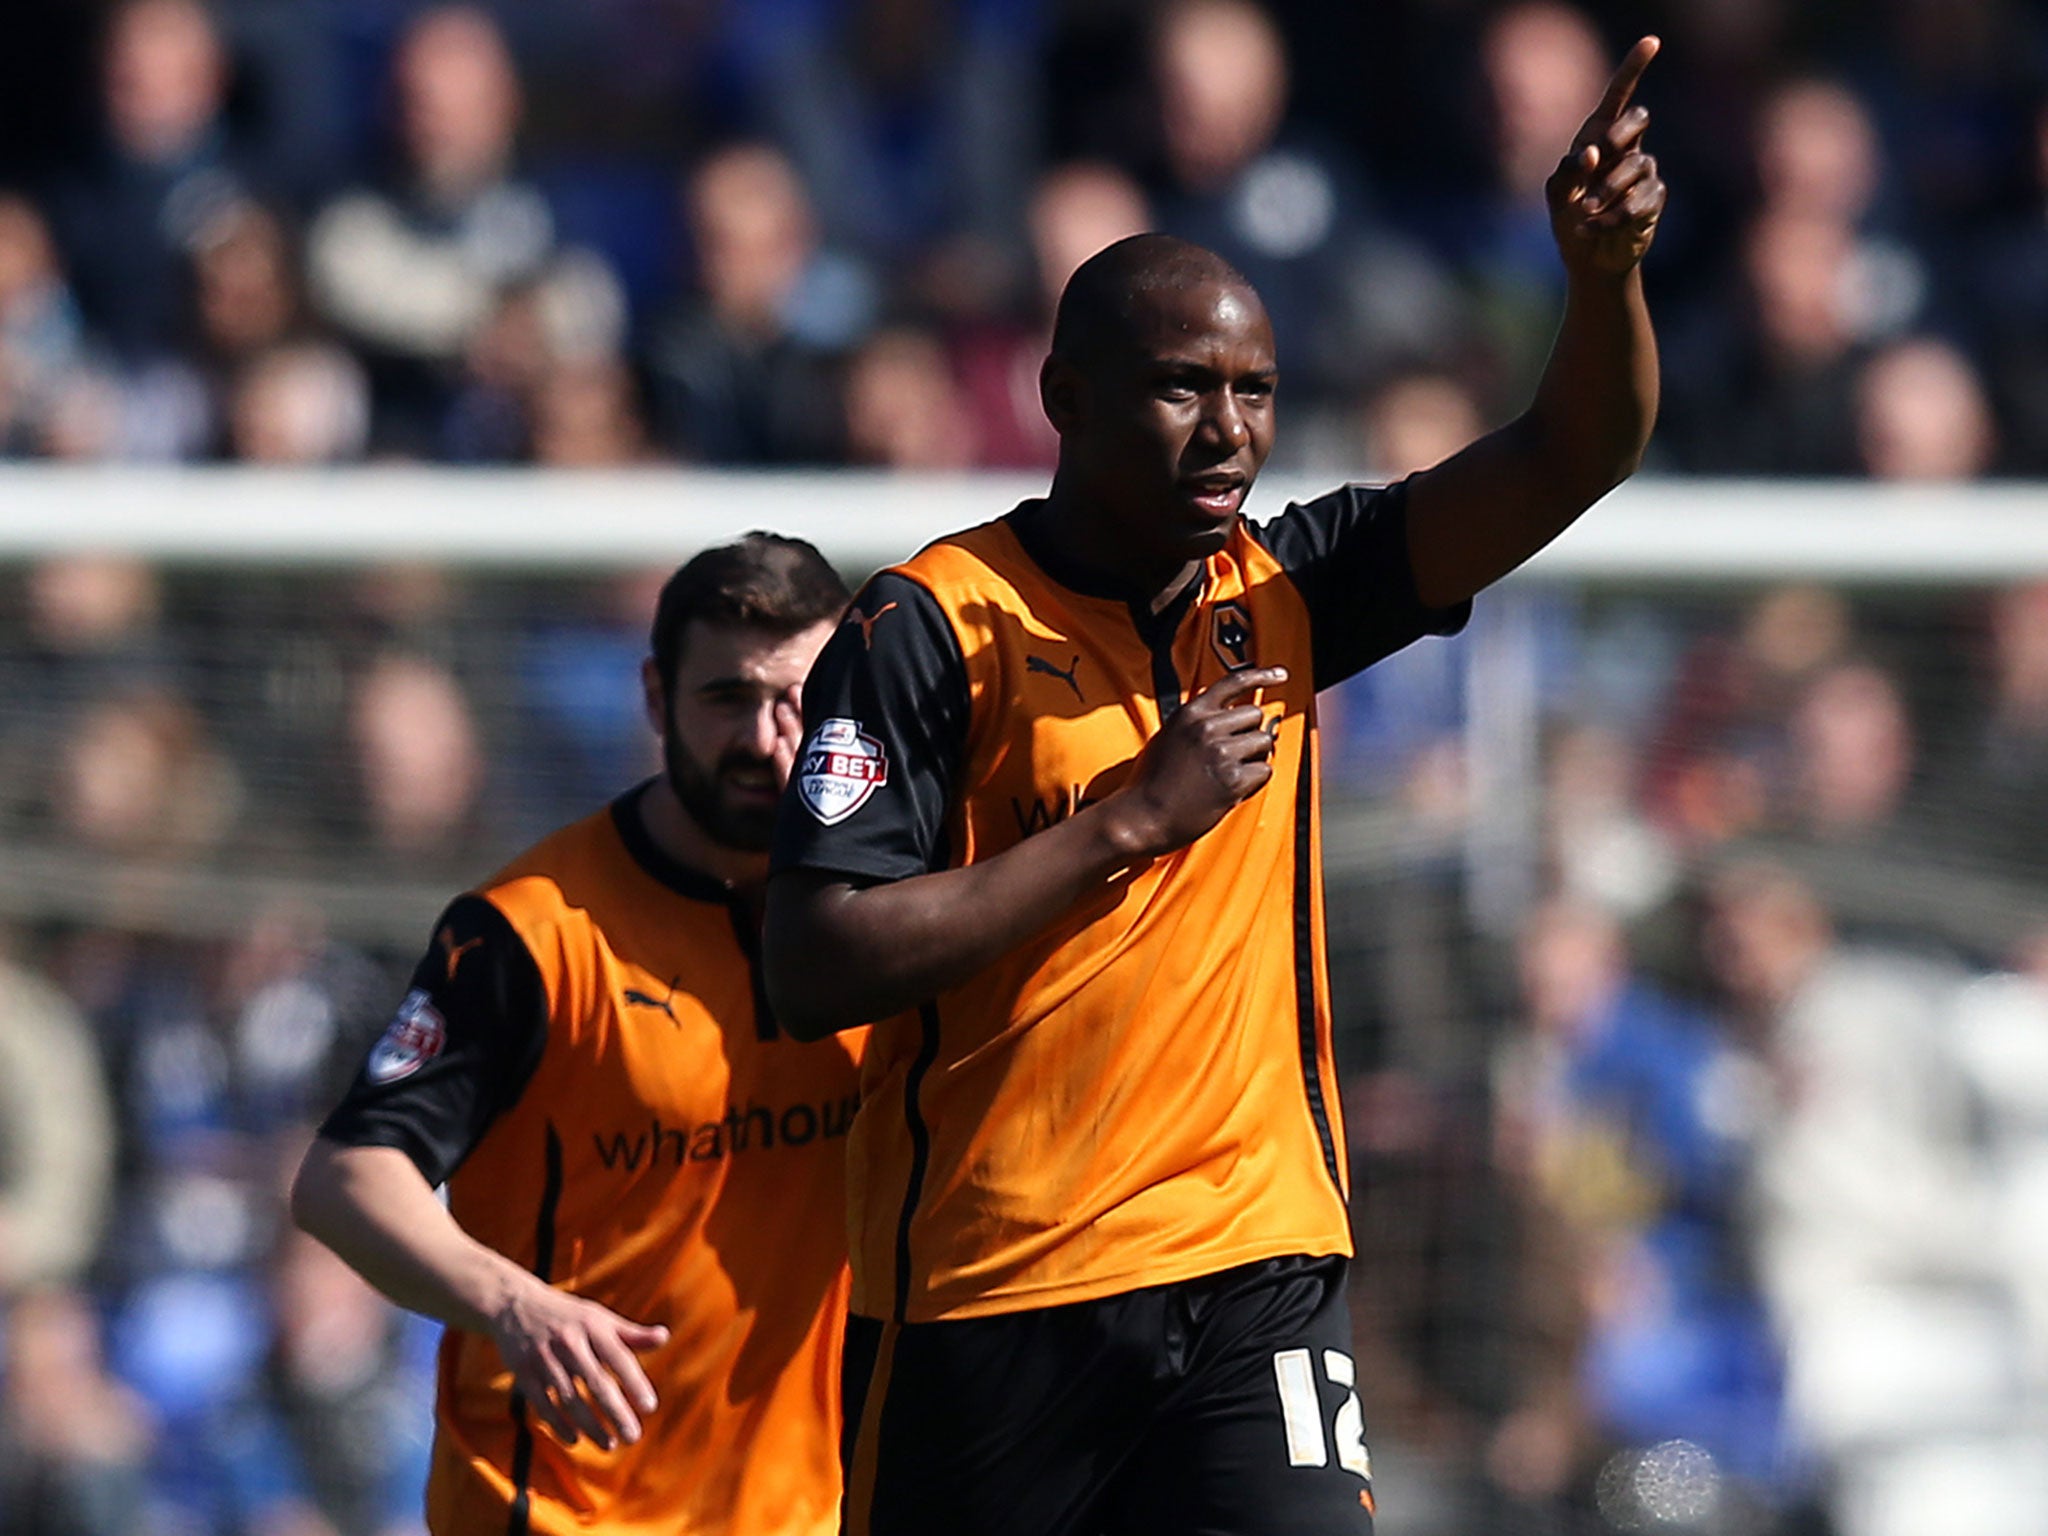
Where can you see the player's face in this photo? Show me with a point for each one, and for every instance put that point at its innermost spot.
(1179, 422)
(719, 732)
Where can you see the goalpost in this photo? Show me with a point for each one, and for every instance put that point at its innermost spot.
(1655, 530)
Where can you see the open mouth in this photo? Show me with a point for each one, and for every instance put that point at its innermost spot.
(1216, 495)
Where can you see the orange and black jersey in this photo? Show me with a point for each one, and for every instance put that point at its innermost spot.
(1145, 1092)
(586, 1060)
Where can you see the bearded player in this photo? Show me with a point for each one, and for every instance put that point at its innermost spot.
(641, 1261)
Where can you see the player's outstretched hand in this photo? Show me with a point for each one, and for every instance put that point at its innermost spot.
(574, 1363)
(1605, 197)
(1213, 753)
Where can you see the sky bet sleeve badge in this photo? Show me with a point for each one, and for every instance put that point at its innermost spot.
(413, 1039)
(842, 767)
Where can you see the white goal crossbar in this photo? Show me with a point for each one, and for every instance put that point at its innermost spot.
(1650, 529)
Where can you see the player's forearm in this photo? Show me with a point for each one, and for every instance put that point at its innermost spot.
(840, 955)
(1597, 401)
(376, 1210)
(1485, 510)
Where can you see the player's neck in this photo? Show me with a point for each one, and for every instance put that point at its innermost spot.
(677, 834)
(1085, 541)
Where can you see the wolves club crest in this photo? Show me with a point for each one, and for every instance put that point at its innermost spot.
(1230, 635)
(842, 766)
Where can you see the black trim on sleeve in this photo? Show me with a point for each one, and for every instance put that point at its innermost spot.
(1347, 554)
(521, 1515)
(894, 673)
(1305, 960)
(460, 1052)
(920, 1148)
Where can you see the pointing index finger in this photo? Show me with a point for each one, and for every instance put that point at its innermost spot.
(1623, 85)
(1232, 686)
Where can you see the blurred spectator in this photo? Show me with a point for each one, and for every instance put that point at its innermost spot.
(137, 775)
(1818, 155)
(1075, 210)
(744, 369)
(1600, 847)
(903, 409)
(300, 404)
(1828, 270)
(167, 161)
(1542, 62)
(1816, 152)
(1629, 1118)
(1415, 421)
(913, 124)
(245, 281)
(1922, 414)
(587, 416)
(1771, 394)
(2000, 288)
(339, 1370)
(41, 336)
(1946, 80)
(1287, 210)
(73, 1440)
(1852, 755)
(158, 413)
(536, 331)
(56, 1136)
(1995, 773)
(89, 625)
(413, 272)
(1875, 1225)
(586, 722)
(419, 762)
(246, 299)
(1721, 746)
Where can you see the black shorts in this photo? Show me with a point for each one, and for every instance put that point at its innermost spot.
(1221, 1406)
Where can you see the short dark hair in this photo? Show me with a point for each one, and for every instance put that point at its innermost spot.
(1097, 305)
(764, 581)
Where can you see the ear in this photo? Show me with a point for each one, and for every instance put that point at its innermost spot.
(1061, 392)
(653, 696)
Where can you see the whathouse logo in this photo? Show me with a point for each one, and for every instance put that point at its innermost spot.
(744, 1128)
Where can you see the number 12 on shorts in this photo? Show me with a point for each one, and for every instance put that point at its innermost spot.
(1301, 1411)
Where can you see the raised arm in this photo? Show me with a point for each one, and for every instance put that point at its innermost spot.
(842, 952)
(1485, 510)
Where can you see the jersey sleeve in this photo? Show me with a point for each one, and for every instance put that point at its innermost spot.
(460, 1050)
(1347, 553)
(885, 732)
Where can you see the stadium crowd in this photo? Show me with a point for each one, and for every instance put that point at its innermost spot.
(1700, 1188)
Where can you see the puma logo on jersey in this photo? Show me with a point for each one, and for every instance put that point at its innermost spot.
(867, 622)
(1040, 664)
(455, 951)
(635, 998)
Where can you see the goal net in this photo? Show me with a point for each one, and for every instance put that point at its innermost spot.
(1687, 913)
